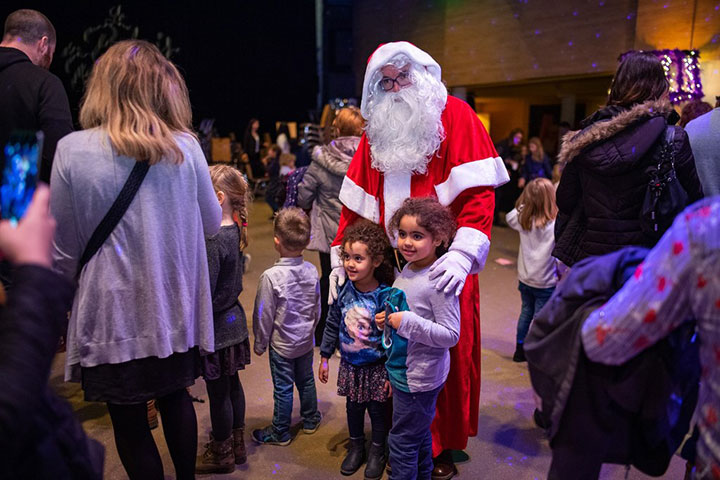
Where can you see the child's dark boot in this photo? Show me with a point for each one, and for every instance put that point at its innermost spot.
(519, 355)
(239, 445)
(376, 462)
(355, 456)
(217, 458)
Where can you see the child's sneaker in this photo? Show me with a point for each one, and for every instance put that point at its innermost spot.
(267, 436)
(311, 428)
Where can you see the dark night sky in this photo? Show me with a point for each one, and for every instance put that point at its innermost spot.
(239, 58)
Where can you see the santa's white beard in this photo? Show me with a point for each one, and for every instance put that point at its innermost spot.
(405, 129)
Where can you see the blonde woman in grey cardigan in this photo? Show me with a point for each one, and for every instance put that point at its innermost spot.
(320, 189)
(143, 304)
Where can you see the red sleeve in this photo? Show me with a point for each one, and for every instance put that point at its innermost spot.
(347, 218)
(467, 139)
(474, 208)
(471, 162)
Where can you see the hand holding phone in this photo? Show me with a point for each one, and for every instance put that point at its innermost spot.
(23, 154)
(29, 242)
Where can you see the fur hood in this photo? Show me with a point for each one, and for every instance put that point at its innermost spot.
(608, 122)
(335, 157)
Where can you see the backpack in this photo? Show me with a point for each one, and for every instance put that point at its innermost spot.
(665, 197)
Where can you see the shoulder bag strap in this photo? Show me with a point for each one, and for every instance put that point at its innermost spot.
(115, 214)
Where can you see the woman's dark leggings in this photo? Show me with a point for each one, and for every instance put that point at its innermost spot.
(136, 447)
(378, 412)
(227, 405)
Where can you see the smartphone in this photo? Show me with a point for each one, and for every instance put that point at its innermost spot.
(23, 154)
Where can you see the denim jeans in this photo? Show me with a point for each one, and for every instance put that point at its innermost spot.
(287, 372)
(410, 439)
(533, 299)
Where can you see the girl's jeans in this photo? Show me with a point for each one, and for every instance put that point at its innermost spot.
(533, 299)
(410, 440)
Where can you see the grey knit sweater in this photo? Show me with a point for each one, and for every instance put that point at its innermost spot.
(146, 292)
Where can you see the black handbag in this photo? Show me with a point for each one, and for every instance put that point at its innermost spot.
(665, 197)
(114, 215)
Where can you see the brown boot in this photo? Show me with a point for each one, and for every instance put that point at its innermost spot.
(217, 458)
(238, 436)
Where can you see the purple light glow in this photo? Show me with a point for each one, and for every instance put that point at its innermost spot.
(597, 35)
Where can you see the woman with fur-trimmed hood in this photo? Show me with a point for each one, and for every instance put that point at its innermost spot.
(320, 190)
(603, 186)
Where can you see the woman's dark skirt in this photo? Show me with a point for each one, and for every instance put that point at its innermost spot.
(140, 380)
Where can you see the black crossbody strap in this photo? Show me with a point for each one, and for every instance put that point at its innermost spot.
(115, 214)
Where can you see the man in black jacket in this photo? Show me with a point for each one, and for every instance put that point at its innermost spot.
(32, 98)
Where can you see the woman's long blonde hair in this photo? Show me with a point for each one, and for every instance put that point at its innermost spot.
(232, 183)
(536, 204)
(140, 99)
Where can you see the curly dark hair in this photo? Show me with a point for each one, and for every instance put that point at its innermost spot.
(374, 238)
(431, 216)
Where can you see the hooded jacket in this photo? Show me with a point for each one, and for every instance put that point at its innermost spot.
(34, 99)
(636, 413)
(321, 186)
(604, 183)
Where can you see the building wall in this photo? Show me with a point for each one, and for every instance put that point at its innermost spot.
(487, 42)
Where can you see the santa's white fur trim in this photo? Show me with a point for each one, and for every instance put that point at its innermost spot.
(473, 243)
(395, 189)
(490, 172)
(359, 201)
(385, 53)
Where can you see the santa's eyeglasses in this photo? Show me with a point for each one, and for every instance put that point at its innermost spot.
(403, 80)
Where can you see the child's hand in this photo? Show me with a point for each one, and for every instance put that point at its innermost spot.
(395, 319)
(323, 370)
(388, 388)
(380, 320)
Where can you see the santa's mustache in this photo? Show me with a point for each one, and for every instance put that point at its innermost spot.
(405, 128)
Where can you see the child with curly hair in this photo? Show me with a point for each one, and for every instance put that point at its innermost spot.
(362, 377)
(419, 338)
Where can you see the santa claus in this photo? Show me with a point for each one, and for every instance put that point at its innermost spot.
(421, 142)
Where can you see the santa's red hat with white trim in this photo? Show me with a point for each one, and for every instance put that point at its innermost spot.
(387, 51)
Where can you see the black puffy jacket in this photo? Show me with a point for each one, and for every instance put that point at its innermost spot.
(604, 182)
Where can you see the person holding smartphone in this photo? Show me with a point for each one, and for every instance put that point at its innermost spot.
(39, 435)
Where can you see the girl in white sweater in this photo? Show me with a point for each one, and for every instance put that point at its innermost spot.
(534, 217)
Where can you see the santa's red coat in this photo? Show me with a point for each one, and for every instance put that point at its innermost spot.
(461, 175)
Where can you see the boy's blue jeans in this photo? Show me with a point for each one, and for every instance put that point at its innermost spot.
(533, 299)
(410, 440)
(287, 372)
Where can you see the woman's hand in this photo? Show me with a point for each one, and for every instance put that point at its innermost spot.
(29, 242)
(323, 370)
(380, 320)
